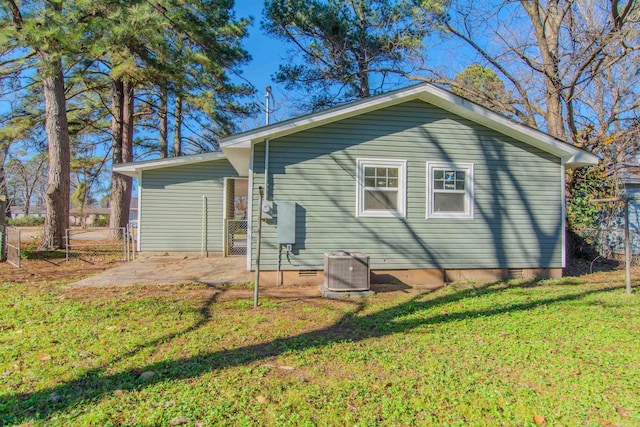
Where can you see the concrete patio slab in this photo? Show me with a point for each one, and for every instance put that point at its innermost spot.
(172, 270)
(345, 294)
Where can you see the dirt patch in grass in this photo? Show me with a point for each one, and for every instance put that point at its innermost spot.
(53, 269)
(51, 266)
(195, 292)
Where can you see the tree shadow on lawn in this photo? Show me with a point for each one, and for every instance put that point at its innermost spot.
(20, 408)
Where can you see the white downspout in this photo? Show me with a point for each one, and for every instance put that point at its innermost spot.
(225, 184)
(139, 218)
(266, 166)
(563, 177)
(266, 144)
(203, 243)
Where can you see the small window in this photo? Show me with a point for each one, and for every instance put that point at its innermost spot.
(449, 190)
(381, 187)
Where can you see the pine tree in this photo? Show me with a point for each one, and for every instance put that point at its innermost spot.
(41, 34)
(175, 48)
(348, 50)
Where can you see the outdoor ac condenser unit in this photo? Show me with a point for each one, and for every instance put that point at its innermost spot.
(346, 271)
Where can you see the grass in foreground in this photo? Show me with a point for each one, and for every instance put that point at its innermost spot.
(501, 354)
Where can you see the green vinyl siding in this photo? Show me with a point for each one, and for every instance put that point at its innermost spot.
(171, 216)
(518, 196)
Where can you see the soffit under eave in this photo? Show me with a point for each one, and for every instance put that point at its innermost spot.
(133, 173)
(579, 160)
(240, 158)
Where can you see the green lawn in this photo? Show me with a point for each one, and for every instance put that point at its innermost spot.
(500, 354)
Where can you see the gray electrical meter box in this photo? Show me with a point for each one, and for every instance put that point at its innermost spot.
(286, 223)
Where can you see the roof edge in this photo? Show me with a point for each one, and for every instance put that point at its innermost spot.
(433, 95)
(135, 169)
(312, 120)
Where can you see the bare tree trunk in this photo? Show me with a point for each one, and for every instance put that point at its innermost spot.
(164, 124)
(554, 116)
(547, 24)
(127, 122)
(83, 220)
(30, 187)
(3, 208)
(363, 78)
(127, 148)
(57, 194)
(177, 131)
(27, 200)
(122, 137)
(117, 181)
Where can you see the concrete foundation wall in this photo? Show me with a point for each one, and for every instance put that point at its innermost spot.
(429, 276)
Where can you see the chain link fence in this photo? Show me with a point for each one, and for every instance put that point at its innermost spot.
(236, 237)
(12, 242)
(88, 244)
(94, 243)
(607, 244)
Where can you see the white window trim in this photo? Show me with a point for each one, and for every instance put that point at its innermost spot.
(402, 187)
(469, 193)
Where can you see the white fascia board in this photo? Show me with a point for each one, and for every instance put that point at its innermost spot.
(135, 169)
(571, 156)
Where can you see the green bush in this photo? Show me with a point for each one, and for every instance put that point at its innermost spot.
(29, 250)
(27, 221)
(101, 221)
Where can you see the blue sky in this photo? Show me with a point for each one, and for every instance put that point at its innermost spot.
(266, 52)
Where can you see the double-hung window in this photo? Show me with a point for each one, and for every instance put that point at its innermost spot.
(449, 190)
(381, 188)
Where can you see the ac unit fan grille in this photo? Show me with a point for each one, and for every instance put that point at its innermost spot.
(346, 271)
